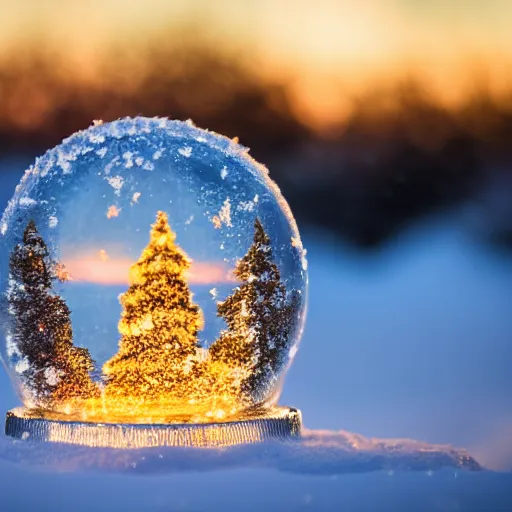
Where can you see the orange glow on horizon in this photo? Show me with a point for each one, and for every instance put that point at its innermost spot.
(110, 271)
(329, 52)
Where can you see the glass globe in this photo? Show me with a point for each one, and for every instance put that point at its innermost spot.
(150, 271)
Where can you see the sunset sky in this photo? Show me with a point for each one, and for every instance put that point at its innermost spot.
(317, 45)
(100, 267)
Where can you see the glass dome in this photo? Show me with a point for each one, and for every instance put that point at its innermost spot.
(150, 271)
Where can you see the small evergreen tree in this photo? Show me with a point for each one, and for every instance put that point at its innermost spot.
(159, 326)
(53, 371)
(259, 318)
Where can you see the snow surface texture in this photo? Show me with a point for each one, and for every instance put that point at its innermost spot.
(316, 452)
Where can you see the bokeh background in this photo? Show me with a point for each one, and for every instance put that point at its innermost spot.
(388, 126)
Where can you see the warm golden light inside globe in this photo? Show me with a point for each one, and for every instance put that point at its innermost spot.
(160, 374)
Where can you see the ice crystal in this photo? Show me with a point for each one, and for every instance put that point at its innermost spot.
(96, 138)
(185, 151)
(22, 365)
(246, 206)
(116, 182)
(128, 158)
(27, 201)
(224, 216)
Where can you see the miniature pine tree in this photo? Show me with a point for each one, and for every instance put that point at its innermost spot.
(159, 326)
(259, 320)
(53, 370)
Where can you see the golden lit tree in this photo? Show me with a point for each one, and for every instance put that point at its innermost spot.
(53, 370)
(259, 318)
(157, 357)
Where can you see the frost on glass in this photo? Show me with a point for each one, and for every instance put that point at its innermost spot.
(151, 272)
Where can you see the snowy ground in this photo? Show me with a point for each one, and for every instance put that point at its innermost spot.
(254, 490)
(411, 342)
(316, 452)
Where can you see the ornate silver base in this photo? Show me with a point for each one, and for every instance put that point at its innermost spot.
(275, 423)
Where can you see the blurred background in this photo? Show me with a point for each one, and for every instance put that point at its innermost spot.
(388, 126)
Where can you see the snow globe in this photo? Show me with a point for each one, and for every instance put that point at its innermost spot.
(153, 291)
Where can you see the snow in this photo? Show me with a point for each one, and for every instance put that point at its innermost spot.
(96, 138)
(63, 161)
(27, 201)
(224, 172)
(246, 206)
(136, 197)
(224, 215)
(116, 182)
(128, 158)
(52, 376)
(22, 366)
(185, 151)
(108, 168)
(11, 347)
(102, 152)
(53, 221)
(253, 489)
(68, 155)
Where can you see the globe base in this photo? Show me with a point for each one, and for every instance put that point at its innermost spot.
(277, 423)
